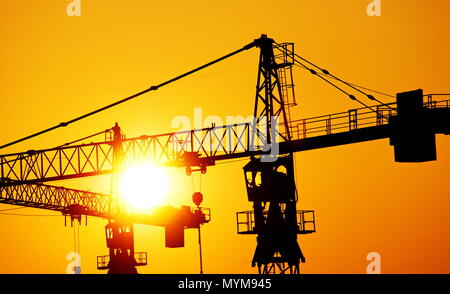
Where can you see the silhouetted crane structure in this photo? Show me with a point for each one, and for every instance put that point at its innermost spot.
(270, 141)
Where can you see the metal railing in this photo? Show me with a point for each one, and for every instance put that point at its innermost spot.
(355, 118)
(306, 221)
(205, 210)
(140, 258)
(103, 260)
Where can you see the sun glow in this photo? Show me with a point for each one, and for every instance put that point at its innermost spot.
(144, 186)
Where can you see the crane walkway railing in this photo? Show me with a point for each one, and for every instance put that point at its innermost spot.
(305, 220)
(354, 119)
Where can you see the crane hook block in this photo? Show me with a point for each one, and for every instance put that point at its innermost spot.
(197, 198)
(203, 169)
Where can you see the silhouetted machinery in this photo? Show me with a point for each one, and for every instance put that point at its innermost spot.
(120, 236)
(270, 141)
(272, 184)
(414, 136)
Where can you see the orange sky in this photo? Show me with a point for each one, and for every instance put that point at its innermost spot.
(55, 67)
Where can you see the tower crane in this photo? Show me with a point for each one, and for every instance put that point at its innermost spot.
(270, 141)
(74, 204)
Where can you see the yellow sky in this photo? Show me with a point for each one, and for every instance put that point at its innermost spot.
(55, 67)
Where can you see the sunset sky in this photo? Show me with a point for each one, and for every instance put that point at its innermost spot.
(55, 67)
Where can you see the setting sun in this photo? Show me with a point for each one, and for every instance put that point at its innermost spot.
(143, 186)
